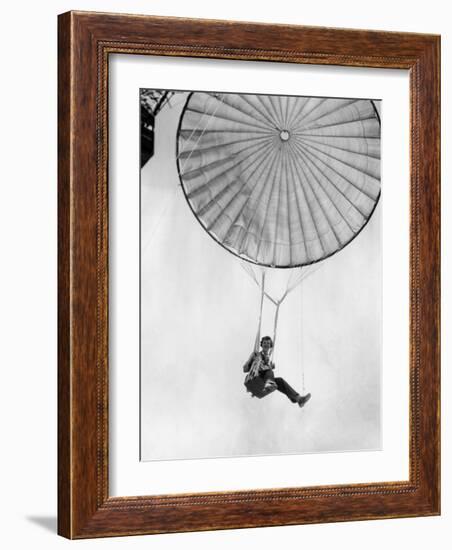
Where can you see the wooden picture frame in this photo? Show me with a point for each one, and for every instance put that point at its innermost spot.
(85, 508)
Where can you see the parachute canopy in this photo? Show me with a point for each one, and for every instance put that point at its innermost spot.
(280, 181)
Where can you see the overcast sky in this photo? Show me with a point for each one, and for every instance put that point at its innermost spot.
(199, 313)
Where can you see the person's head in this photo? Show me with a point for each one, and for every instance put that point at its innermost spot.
(266, 344)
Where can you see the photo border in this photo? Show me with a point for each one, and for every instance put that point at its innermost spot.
(85, 41)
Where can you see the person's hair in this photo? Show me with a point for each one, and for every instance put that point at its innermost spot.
(266, 338)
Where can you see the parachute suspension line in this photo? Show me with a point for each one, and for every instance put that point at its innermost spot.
(289, 288)
(205, 115)
(160, 217)
(303, 387)
(249, 271)
(170, 196)
(259, 324)
(275, 326)
(295, 279)
(289, 280)
(211, 116)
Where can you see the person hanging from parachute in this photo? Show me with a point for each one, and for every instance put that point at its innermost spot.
(282, 183)
(260, 365)
(260, 380)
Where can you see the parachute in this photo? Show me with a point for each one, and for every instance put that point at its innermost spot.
(281, 182)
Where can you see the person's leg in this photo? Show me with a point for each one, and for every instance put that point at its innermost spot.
(268, 377)
(287, 389)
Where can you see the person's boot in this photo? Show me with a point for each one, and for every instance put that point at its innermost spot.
(303, 399)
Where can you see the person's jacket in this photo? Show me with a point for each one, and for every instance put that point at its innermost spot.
(260, 362)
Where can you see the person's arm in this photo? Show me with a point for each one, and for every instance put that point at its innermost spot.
(247, 365)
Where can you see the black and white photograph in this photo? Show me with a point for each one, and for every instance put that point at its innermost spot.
(223, 245)
(261, 274)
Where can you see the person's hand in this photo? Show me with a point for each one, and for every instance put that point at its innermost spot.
(255, 369)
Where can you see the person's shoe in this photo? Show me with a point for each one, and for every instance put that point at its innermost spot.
(303, 399)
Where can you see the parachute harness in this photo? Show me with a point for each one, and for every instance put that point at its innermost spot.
(259, 324)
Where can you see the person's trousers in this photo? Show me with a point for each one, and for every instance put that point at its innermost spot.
(282, 385)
